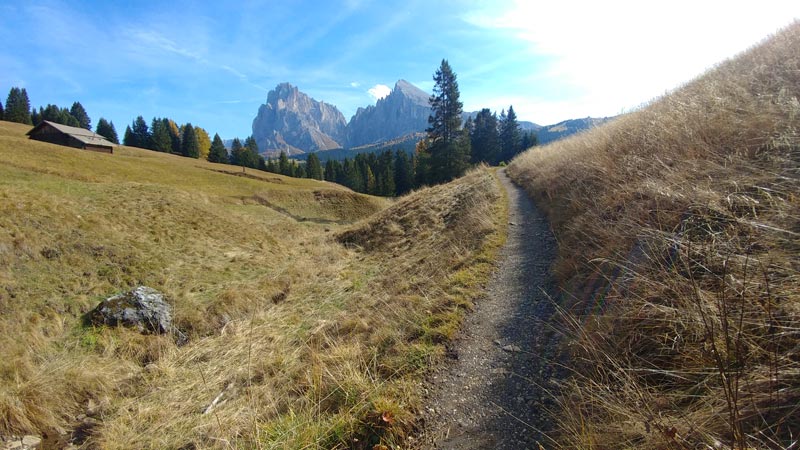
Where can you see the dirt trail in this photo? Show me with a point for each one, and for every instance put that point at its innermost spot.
(487, 396)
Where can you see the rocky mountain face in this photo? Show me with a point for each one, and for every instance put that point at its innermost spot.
(293, 122)
(404, 111)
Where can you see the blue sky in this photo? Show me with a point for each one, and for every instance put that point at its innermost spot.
(212, 65)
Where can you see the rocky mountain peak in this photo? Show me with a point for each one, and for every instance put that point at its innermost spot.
(404, 111)
(293, 122)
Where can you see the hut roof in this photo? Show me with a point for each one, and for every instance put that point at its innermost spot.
(81, 134)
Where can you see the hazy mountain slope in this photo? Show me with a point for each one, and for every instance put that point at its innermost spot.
(679, 233)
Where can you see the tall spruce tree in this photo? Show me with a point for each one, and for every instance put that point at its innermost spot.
(485, 138)
(18, 106)
(139, 135)
(79, 113)
(449, 151)
(314, 167)
(128, 139)
(2, 112)
(160, 136)
(250, 155)
(218, 153)
(106, 129)
(284, 168)
(509, 135)
(236, 152)
(190, 148)
(403, 173)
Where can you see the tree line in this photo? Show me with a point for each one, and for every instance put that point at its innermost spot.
(448, 150)
(18, 109)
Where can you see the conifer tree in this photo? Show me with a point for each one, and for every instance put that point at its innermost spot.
(128, 139)
(190, 148)
(283, 164)
(140, 134)
(485, 138)
(79, 113)
(106, 129)
(36, 116)
(175, 135)
(314, 167)
(18, 106)
(449, 151)
(271, 167)
(509, 135)
(160, 136)
(236, 152)
(403, 173)
(249, 157)
(2, 112)
(217, 153)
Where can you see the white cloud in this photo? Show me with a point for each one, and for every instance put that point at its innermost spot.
(379, 91)
(620, 54)
(355, 84)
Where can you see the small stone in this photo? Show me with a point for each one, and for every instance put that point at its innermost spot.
(498, 342)
(512, 348)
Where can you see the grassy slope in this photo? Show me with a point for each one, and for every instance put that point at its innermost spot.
(308, 341)
(678, 228)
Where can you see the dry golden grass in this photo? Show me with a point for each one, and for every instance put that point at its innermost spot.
(296, 340)
(679, 235)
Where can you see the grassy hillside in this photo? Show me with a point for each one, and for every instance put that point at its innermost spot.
(679, 236)
(306, 338)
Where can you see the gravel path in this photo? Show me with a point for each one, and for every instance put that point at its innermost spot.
(490, 395)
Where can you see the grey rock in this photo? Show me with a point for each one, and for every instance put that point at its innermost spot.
(404, 111)
(142, 308)
(293, 122)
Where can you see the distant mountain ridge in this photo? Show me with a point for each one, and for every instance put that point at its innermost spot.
(293, 122)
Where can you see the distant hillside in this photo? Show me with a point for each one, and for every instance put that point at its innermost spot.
(679, 254)
(551, 133)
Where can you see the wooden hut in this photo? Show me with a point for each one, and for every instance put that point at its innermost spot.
(55, 133)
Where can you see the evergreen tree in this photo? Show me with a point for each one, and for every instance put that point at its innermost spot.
(403, 173)
(36, 116)
(528, 140)
(18, 106)
(217, 153)
(140, 134)
(333, 170)
(271, 167)
(2, 112)
(509, 135)
(106, 129)
(384, 174)
(283, 164)
(448, 149)
(314, 167)
(236, 152)
(485, 138)
(249, 157)
(79, 113)
(161, 139)
(129, 139)
(190, 148)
